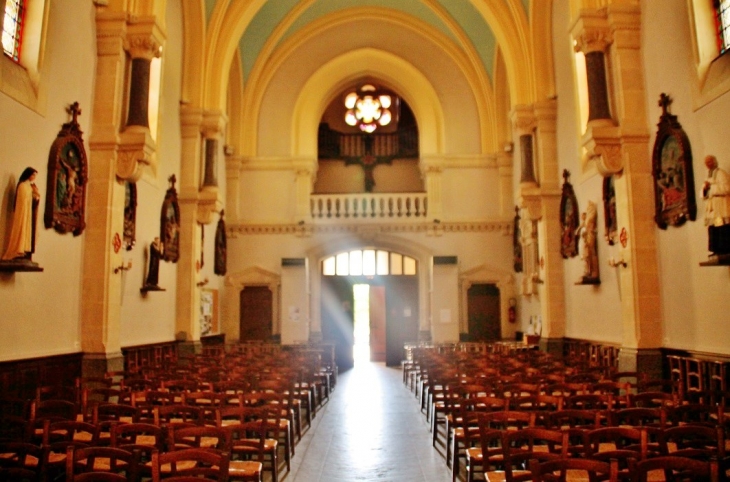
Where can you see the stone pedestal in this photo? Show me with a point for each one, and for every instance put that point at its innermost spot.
(647, 361)
(98, 364)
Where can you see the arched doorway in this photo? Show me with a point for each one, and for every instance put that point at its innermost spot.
(382, 317)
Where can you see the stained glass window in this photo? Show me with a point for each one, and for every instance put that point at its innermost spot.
(13, 28)
(722, 15)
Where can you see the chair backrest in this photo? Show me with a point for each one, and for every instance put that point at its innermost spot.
(695, 441)
(25, 456)
(556, 469)
(198, 437)
(676, 469)
(132, 435)
(508, 419)
(113, 460)
(114, 411)
(190, 462)
(174, 414)
(637, 416)
(521, 446)
(576, 418)
(248, 438)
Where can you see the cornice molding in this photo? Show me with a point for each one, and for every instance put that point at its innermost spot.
(500, 226)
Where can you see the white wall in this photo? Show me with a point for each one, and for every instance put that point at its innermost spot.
(40, 311)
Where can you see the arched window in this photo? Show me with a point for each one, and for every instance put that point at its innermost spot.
(13, 21)
(722, 19)
(23, 75)
(369, 262)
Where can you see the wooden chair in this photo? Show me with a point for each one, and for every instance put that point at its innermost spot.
(96, 460)
(652, 399)
(487, 456)
(193, 462)
(521, 446)
(22, 458)
(203, 436)
(171, 415)
(59, 436)
(248, 445)
(144, 438)
(617, 443)
(676, 469)
(552, 470)
(699, 442)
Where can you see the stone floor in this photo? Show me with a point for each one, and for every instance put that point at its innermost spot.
(370, 430)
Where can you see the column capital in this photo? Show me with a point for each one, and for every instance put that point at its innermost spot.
(144, 37)
(592, 32)
(523, 119)
(213, 124)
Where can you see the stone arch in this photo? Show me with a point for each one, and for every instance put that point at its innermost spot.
(334, 75)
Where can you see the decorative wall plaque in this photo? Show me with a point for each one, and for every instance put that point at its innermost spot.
(67, 178)
(130, 214)
(609, 210)
(221, 249)
(672, 169)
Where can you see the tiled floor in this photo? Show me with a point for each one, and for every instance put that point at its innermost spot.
(371, 430)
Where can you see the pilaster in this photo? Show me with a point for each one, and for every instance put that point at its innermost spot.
(100, 309)
(506, 172)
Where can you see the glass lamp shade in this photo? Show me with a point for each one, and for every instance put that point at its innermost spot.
(351, 118)
(385, 117)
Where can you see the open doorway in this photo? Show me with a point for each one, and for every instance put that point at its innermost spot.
(369, 301)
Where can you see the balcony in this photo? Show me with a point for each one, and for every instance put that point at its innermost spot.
(369, 207)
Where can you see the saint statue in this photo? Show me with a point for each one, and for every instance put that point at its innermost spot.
(21, 244)
(716, 193)
(588, 230)
(153, 273)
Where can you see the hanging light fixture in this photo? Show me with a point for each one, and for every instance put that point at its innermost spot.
(367, 108)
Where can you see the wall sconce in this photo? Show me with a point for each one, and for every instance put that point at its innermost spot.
(614, 263)
(123, 267)
(202, 283)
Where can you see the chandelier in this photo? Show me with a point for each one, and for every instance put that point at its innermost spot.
(367, 108)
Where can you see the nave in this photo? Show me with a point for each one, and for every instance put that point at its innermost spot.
(370, 430)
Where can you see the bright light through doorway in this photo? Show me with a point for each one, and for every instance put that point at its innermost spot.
(361, 293)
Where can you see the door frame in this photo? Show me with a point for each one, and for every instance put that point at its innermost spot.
(251, 276)
(484, 274)
(362, 241)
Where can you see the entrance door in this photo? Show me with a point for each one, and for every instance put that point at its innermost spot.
(337, 318)
(401, 303)
(377, 323)
(483, 312)
(256, 313)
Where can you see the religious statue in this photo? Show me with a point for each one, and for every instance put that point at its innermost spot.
(21, 244)
(153, 273)
(587, 230)
(716, 193)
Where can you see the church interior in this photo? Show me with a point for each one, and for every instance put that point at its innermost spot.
(224, 173)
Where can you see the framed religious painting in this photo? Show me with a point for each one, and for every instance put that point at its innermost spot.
(130, 215)
(517, 241)
(610, 219)
(672, 170)
(170, 224)
(569, 219)
(67, 179)
(221, 249)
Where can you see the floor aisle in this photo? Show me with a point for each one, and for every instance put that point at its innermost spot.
(371, 430)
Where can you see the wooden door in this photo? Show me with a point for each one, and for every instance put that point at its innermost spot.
(401, 326)
(377, 323)
(337, 318)
(256, 313)
(484, 313)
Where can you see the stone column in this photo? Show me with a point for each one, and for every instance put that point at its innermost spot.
(187, 329)
(137, 149)
(506, 170)
(100, 308)
(552, 291)
(622, 149)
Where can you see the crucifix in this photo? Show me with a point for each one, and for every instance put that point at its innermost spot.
(368, 162)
